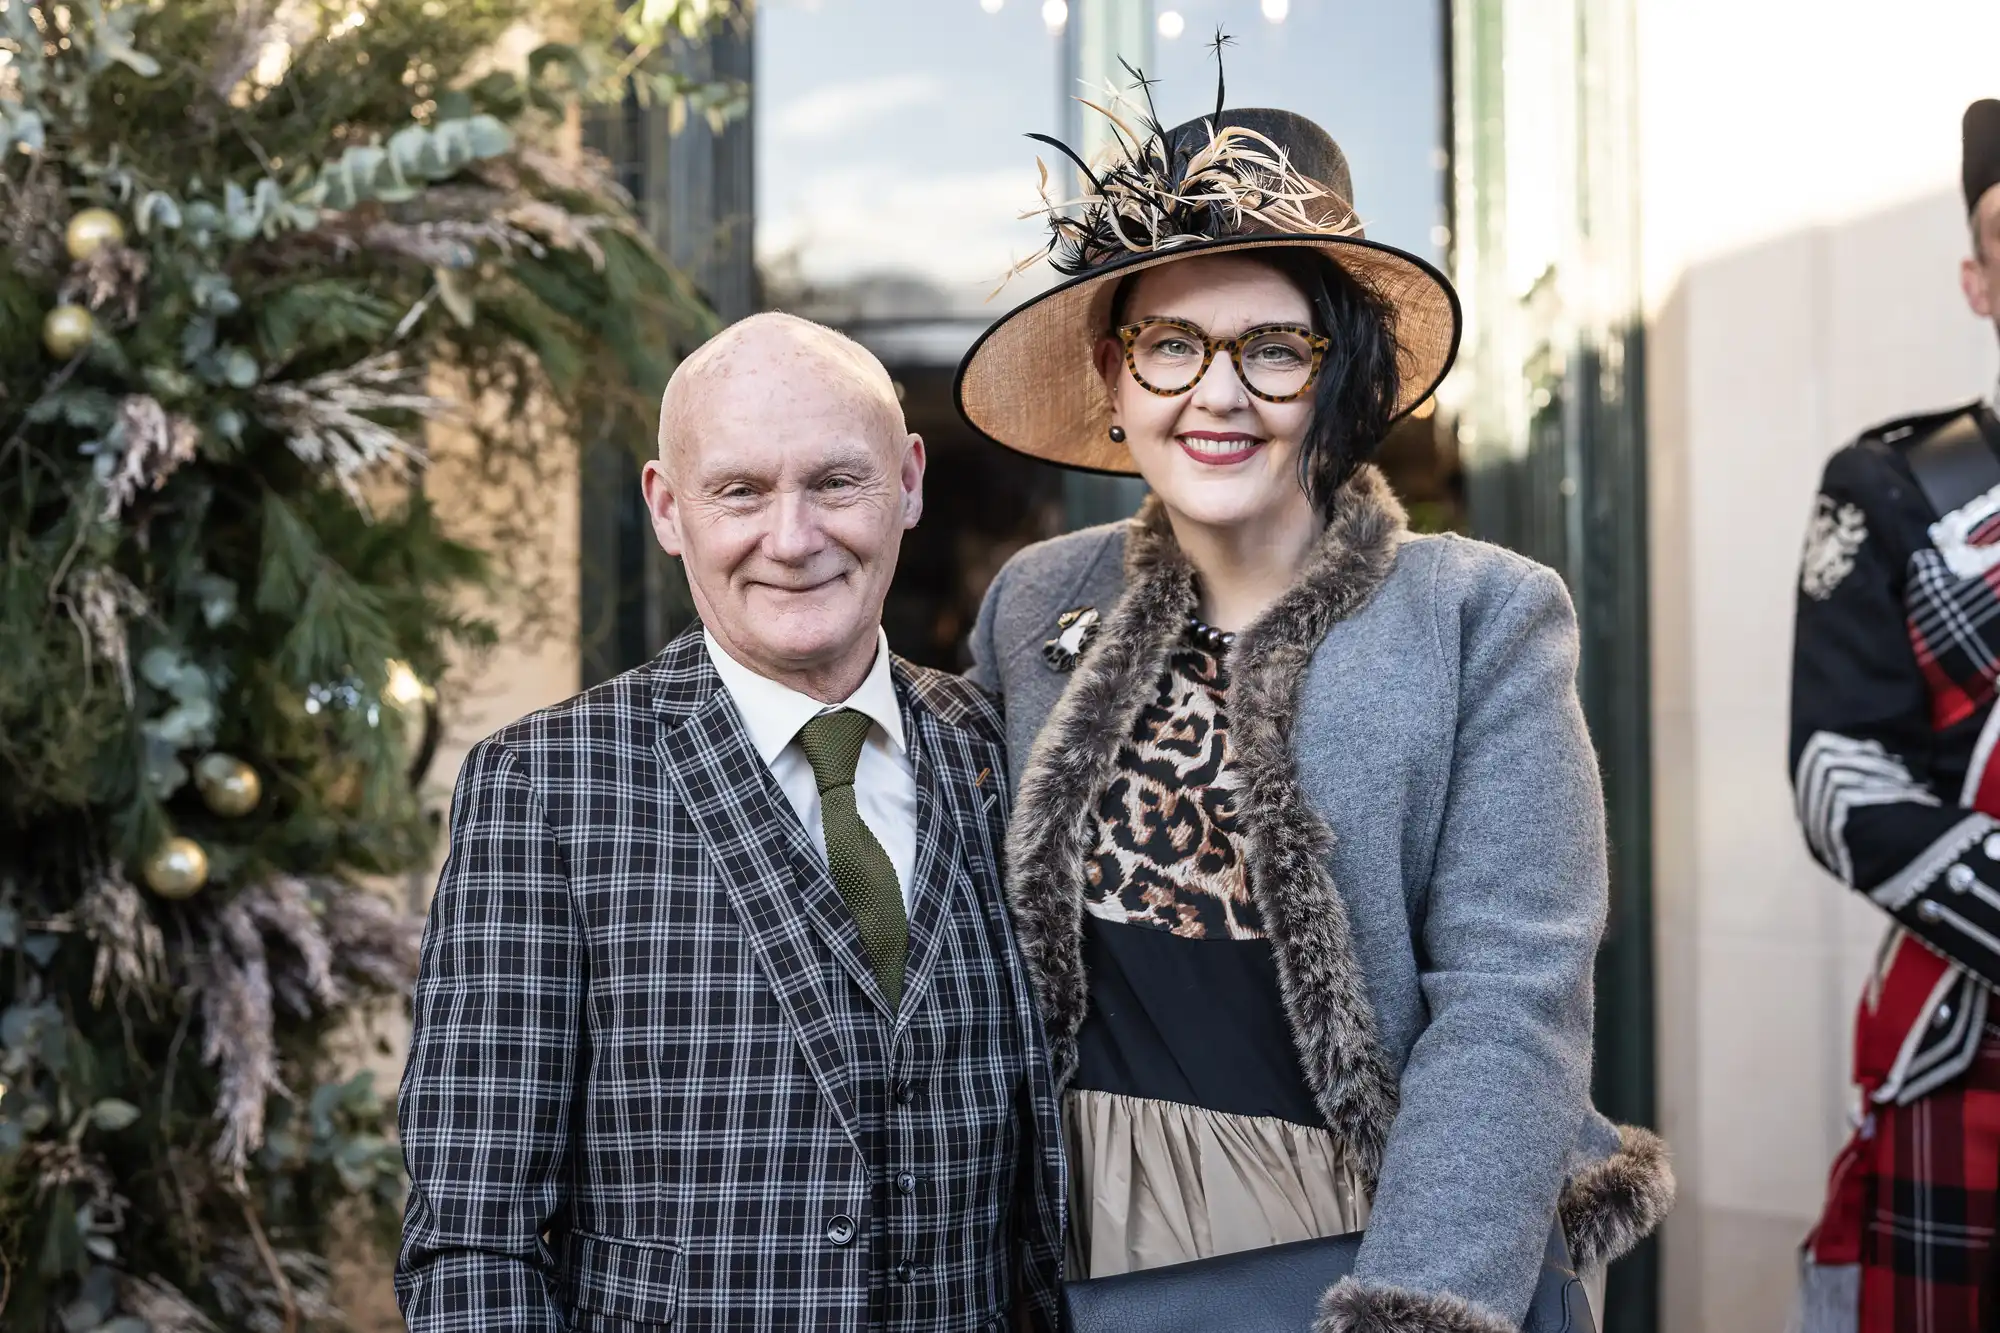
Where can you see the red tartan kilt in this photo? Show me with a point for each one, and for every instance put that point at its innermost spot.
(1927, 1182)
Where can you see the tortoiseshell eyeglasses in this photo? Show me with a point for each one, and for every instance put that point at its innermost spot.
(1276, 362)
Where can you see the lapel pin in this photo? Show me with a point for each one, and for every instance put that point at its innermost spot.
(1074, 631)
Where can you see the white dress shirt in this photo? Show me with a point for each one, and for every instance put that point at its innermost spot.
(885, 784)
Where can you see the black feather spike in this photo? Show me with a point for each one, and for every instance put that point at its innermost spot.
(1222, 39)
(1152, 118)
(1096, 186)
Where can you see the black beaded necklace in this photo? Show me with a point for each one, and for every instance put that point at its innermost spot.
(1216, 641)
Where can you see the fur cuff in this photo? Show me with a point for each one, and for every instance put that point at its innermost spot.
(1357, 1307)
(1612, 1206)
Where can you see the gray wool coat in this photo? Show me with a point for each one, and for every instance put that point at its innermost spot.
(1425, 840)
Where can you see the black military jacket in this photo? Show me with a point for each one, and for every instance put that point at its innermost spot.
(1895, 664)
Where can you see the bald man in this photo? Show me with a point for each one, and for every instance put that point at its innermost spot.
(721, 1023)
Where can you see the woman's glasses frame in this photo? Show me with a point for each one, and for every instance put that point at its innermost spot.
(1128, 337)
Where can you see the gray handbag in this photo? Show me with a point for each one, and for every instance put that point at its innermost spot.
(1277, 1290)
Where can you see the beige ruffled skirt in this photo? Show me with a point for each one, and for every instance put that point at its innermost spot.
(1155, 1183)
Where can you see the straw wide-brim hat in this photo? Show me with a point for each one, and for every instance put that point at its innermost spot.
(1239, 182)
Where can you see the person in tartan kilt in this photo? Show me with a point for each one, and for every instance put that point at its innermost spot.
(1894, 766)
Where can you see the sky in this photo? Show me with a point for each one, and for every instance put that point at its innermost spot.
(889, 132)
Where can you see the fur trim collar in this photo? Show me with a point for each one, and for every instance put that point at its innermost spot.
(1333, 1024)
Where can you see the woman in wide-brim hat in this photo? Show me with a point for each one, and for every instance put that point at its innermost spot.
(1307, 855)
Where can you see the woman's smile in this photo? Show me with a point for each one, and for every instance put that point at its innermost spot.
(1218, 448)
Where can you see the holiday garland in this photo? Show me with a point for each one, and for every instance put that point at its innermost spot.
(249, 253)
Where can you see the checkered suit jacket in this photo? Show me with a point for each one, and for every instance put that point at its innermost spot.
(653, 1081)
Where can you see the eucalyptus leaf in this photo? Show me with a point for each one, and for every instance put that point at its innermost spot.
(363, 161)
(414, 150)
(41, 948)
(202, 216)
(197, 339)
(86, 409)
(218, 597)
(320, 1110)
(111, 40)
(102, 1248)
(489, 137)
(157, 206)
(239, 368)
(164, 773)
(36, 1118)
(240, 217)
(450, 145)
(358, 1093)
(187, 725)
(212, 292)
(161, 667)
(336, 189)
(10, 927)
(19, 1023)
(113, 1115)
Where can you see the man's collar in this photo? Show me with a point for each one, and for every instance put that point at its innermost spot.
(773, 713)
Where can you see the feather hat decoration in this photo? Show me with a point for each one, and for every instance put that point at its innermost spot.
(1207, 179)
(1232, 181)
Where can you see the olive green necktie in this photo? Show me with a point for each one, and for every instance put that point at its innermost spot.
(861, 869)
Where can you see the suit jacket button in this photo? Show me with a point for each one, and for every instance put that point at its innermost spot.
(840, 1229)
(906, 1093)
(906, 1182)
(906, 1273)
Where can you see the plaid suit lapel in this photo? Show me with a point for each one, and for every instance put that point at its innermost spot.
(942, 884)
(775, 882)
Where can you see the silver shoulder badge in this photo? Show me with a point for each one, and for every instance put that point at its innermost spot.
(1074, 631)
(1833, 537)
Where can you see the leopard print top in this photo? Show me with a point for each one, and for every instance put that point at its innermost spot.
(1168, 851)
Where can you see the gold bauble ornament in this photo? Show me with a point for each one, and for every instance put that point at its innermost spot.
(92, 230)
(228, 786)
(67, 331)
(178, 869)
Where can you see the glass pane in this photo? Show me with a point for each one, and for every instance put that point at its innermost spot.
(891, 167)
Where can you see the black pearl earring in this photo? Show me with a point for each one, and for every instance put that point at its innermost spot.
(1118, 435)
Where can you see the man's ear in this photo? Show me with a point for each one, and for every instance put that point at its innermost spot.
(660, 504)
(912, 481)
(1978, 294)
